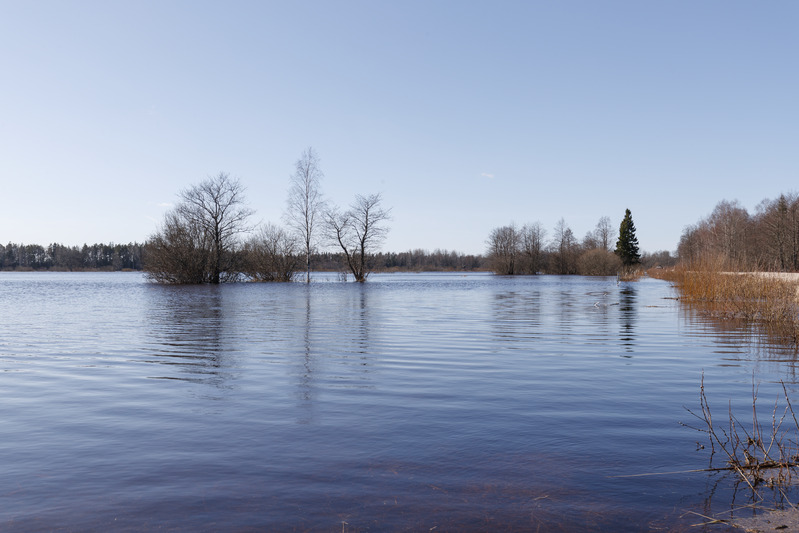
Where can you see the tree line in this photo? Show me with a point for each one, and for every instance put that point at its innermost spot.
(72, 258)
(766, 240)
(603, 251)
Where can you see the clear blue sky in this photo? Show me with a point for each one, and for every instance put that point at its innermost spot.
(465, 115)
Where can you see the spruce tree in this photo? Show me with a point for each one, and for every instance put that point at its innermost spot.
(627, 245)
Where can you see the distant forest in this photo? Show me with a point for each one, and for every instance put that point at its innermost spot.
(116, 257)
(58, 257)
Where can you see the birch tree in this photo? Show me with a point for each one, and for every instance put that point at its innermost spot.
(305, 203)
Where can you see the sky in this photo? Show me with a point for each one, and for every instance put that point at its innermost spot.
(464, 115)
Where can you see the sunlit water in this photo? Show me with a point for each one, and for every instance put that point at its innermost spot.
(419, 402)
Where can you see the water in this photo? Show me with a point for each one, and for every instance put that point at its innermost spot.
(417, 402)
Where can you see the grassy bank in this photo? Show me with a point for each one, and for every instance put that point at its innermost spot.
(770, 300)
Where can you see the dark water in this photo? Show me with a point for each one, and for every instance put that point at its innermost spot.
(441, 402)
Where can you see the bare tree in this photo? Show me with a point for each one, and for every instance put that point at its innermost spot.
(694, 242)
(359, 231)
(202, 228)
(564, 249)
(532, 237)
(598, 262)
(603, 233)
(217, 207)
(305, 204)
(778, 227)
(729, 224)
(503, 249)
(178, 253)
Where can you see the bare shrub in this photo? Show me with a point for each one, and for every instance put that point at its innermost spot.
(271, 255)
(178, 253)
(761, 453)
(598, 262)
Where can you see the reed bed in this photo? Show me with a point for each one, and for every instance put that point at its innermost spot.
(768, 299)
(630, 274)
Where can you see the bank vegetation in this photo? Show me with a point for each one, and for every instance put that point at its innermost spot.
(737, 265)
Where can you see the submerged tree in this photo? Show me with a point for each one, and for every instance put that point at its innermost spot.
(627, 244)
(531, 248)
(503, 249)
(305, 204)
(178, 252)
(564, 249)
(359, 231)
(271, 255)
(197, 241)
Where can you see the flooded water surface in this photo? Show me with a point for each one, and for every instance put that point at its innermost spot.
(418, 402)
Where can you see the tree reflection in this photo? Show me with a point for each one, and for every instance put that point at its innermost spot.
(306, 376)
(628, 315)
(517, 314)
(741, 340)
(186, 325)
(334, 341)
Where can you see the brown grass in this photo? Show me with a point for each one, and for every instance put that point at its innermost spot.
(769, 300)
(630, 273)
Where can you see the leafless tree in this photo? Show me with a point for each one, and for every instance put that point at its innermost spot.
(503, 249)
(531, 246)
(589, 242)
(595, 257)
(198, 239)
(178, 253)
(778, 228)
(272, 254)
(694, 242)
(564, 247)
(603, 233)
(768, 240)
(216, 206)
(305, 203)
(729, 223)
(598, 262)
(359, 231)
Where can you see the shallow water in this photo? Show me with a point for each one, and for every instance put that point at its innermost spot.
(412, 402)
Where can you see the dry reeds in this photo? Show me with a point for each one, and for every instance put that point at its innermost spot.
(629, 274)
(766, 298)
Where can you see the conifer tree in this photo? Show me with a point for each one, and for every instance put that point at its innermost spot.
(627, 245)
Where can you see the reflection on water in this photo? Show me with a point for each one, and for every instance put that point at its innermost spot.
(742, 339)
(307, 370)
(627, 311)
(186, 327)
(414, 401)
